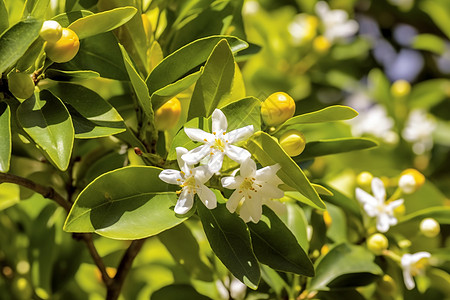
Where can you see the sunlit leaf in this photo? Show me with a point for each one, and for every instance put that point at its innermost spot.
(5, 137)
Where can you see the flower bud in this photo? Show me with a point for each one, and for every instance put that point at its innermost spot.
(65, 48)
(277, 108)
(321, 44)
(20, 85)
(387, 285)
(429, 227)
(411, 180)
(377, 243)
(167, 116)
(400, 88)
(293, 142)
(364, 180)
(327, 218)
(51, 31)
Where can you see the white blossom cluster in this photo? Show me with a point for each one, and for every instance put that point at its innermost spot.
(253, 187)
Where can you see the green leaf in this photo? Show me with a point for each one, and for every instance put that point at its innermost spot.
(102, 22)
(345, 266)
(188, 58)
(92, 116)
(347, 204)
(429, 93)
(5, 137)
(35, 8)
(65, 19)
(15, 41)
(334, 146)
(439, 213)
(125, 204)
(275, 245)
(439, 13)
(4, 23)
(162, 95)
(31, 59)
(177, 291)
(429, 42)
(246, 111)
(296, 221)
(139, 86)
(268, 152)
(9, 195)
(215, 83)
(182, 140)
(46, 120)
(60, 75)
(187, 255)
(230, 240)
(380, 89)
(328, 114)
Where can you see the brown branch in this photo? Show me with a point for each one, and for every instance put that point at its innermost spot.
(45, 191)
(113, 289)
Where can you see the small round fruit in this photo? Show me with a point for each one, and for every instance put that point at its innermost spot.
(51, 31)
(377, 243)
(364, 180)
(430, 227)
(167, 116)
(411, 180)
(277, 108)
(21, 85)
(65, 48)
(400, 88)
(293, 142)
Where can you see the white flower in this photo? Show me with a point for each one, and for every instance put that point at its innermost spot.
(192, 181)
(375, 205)
(303, 28)
(412, 265)
(418, 130)
(336, 22)
(252, 189)
(218, 143)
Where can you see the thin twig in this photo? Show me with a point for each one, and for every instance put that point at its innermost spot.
(45, 191)
(113, 290)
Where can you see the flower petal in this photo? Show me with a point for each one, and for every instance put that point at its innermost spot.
(248, 168)
(171, 176)
(269, 174)
(394, 204)
(219, 121)
(240, 134)
(408, 279)
(237, 154)
(180, 151)
(202, 174)
(253, 208)
(232, 182)
(198, 135)
(363, 197)
(215, 162)
(378, 190)
(184, 203)
(195, 155)
(269, 191)
(419, 255)
(207, 196)
(383, 222)
(234, 201)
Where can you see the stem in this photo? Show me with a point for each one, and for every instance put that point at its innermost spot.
(46, 192)
(114, 287)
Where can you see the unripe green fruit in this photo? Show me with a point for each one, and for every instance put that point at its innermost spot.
(293, 142)
(277, 108)
(65, 48)
(377, 243)
(20, 85)
(51, 31)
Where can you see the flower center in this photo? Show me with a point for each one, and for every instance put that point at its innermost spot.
(219, 144)
(189, 183)
(247, 184)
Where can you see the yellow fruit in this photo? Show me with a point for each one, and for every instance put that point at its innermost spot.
(21, 85)
(364, 180)
(51, 31)
(277, 108)
(400, 88)
(411, 180)
(167, 116)
(65, 48)
(293, 142)
(377, 243)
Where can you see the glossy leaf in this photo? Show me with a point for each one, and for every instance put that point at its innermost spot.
(5, 137)
(296, 221)
(4, 23)
(35, 8)
(246, 111)
(215, 83)
(343, 267)
(275, 245)
(268, 152)
(439, 13)
(60, 75)
(350, 205)
(102, 21)
(334, 146)
(9, 195)
(65, 19)
(92, 116)
(328, 114)
(46, 120)
(155, 55)
(230, 240)
(139, 86)
(175, 291)
(429, 42)
(429, 93)
(128, 203)
(188, 58)
(188, 255)
(15, 41)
